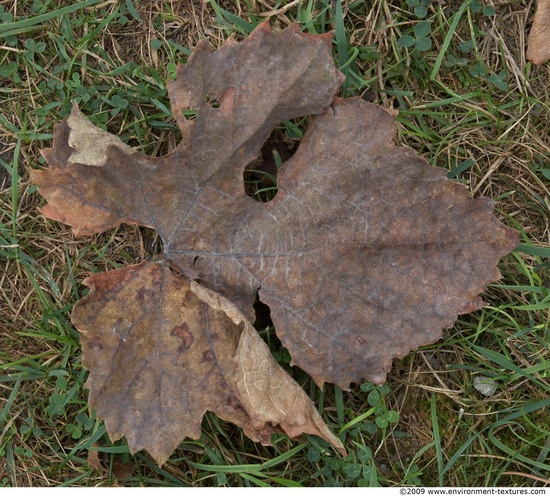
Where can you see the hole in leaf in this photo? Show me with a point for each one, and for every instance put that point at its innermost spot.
(264, 325)
(189, 114)
(140, 243)
(213, 102)
(263, 315)
(260, 175)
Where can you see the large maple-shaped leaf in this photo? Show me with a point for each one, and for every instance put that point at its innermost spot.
(366, 252)
(163, 350)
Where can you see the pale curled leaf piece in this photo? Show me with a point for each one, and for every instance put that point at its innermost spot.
(89, 142)
(538, 43)
(267, 392)
(366, 253)
(161, 351)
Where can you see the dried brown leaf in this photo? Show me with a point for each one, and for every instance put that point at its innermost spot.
(162, 351)
(367, 251)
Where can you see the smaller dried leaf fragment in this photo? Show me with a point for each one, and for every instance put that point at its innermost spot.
(161, 351)
(538, 44)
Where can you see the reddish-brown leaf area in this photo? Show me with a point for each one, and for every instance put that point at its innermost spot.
(366, 253)
(159, 362)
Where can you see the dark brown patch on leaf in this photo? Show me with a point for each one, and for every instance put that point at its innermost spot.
(207, 356)
(144, 293)
(182, 332)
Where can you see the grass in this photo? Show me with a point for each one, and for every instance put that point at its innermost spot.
(467, 100)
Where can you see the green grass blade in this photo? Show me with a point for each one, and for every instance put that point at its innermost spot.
(169, 479)
(15, 187)
(437, 440)
(447, 41)
(525, 410)
(537, 251)
(339, 400)
(286, 482)
(229, 469)
(132, 9)
(356, 420)
(16, 27)
(7, 407)
(545, 451)
(73, 481)
(514, 453)
(254, 480)
(283, 457)
(340, 34)
(11, 464)
(461, 168)
(85, 444)
(503, 362)
(228, 19)
(459, 452)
